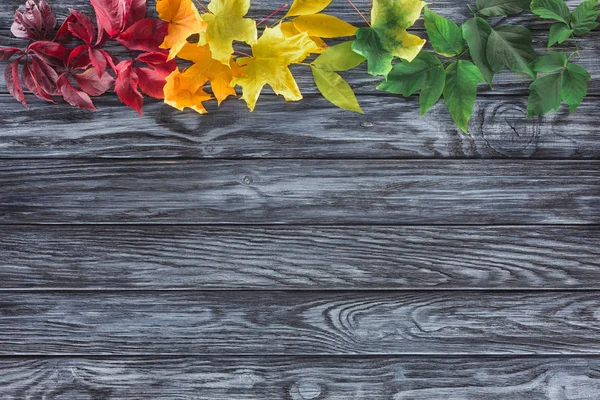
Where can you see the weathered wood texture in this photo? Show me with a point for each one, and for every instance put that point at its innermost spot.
(300, 191)
(355, 257)
(259, 378)
(298, 323)
(391, 128)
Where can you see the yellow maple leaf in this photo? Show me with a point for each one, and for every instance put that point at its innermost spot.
(289, 29)
(323, 25)
(305, 7)
(206, 69)
(227, 24)
(184, 21)
(271, 56)
(181, 97)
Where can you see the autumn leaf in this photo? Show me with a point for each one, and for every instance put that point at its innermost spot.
(184, 21)
(289, 29)
(206, 69)
(272, 55)
(323, 25)
(181, 97)
(306, 7)
(226, 24)
(387, 37)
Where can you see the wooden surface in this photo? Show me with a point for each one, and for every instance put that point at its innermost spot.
(302, 252)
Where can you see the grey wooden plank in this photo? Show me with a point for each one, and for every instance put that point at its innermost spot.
(391, 128)
(330, 258)
(454, 9)
(300, 191)
(505, 83)
(300, 378)
(298, 323)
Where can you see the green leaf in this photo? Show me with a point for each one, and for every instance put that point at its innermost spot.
(335, 89)
(425, 73)
(340, 57)
(387, 37)
(584, 17)
(460, 91)
(551, 9)
(574, 85)
(558, 34)
(445, 36)
(550, 63)
(477, 31)
(501, 8)
(510, 46)
(544, 95)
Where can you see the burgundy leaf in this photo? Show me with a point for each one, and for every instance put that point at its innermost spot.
(90, 83)
(35, 23)
(73, 96)
(145, 35)
(45, 76)
(158, 61)
(7, 52)
(11, 76)
(111, 60)
(48, 18)
(98, 61)
(32, 85)
(111, 15)
(75, 54)
(52, 53)
(151, 82)
(21, 28)
(82, 27)
(63, 35)
(126, 86)
(137, 11)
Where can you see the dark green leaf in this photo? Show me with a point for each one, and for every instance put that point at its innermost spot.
(340, 57)
(335, 89)
(477, 31)
(544, 95)
(460, 91)
(574, 85)
(550, 63)
(584, 17)
(558, 34)
(424, 73)
(445, 36)
(510, 46)
(501, 8)
(551, 9)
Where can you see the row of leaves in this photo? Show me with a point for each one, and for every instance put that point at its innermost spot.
(221, 49)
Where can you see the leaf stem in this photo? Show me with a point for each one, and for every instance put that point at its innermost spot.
(576, 47)
(474, 13)
(202, 6)
(283, 7)
(359, 13)
(242, 53)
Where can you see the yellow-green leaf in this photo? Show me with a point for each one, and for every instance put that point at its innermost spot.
(335, 89)
(323, 25)
(306, 7)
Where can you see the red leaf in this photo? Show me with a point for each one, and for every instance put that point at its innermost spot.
(158, 61)
(11, 76)
(7, 52)
(35, 23)
(110, 60)
(48, 18)
(137, 11)
(111, 15)
(32, 85)
(73, 96)
(82, 27)
(45, 76)
(152, 82)
(98, 61)
(145, 35)
(64, 35)
(90, 83)
(126, 86)
(52, 53)
(21, 28)
(75, 54)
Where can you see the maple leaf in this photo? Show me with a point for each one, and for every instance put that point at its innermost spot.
(387, 37)
(289, 30)
(181, 96)
(206, 69)
(272, 54)
(184, 21)
(225, 25)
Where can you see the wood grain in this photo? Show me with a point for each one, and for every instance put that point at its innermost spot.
(328, 258)
(298, 323)
(299, 191)
(313, 128)
(456, 10)
(302, 378)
